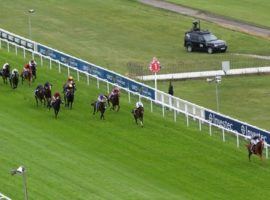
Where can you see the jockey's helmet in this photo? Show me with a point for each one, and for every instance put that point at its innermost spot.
(56, 94)
(70, 78)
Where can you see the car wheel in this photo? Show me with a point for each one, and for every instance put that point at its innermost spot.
(209, 50)
(189, 48)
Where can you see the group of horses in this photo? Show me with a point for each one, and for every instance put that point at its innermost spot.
(13, 78)
(113, 102)
(43, 95)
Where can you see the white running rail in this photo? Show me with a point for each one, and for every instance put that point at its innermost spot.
(3, 197)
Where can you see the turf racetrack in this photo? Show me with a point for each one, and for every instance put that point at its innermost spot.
(79, 156)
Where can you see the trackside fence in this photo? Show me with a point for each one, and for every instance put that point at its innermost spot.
(176, 105)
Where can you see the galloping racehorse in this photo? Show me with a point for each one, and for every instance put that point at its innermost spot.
(14, 79)
(39, 95)
(56, 106)
(69, 97)
(138, 115)
(48, 93)
(27, 75)
(257, 149)
(5, 72)
(114, 99)
(101, 107)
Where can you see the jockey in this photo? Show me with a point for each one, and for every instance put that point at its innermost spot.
(5, 66)
(139, 104)
(101, 98)
(39, 87)
(27, 67)
(47, 85)
(254, 140)
(14, 71)
(71, 81)
(32, 64)
(55, 97)
(115, 91)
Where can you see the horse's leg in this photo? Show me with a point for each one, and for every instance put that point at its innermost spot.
(142, 122)
(118, 107)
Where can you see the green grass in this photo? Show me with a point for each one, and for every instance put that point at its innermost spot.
(118, 33)
(79, 156)
(244, 10)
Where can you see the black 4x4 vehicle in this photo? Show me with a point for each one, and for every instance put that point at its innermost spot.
(197, 40)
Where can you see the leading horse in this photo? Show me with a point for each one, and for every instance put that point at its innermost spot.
(138, 115)
(5, 73)
(56, 106)
(257, 149)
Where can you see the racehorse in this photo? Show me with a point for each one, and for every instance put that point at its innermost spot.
(56, 106)
(39, 95)
(114, 99)
(101, 107)
(257, 149)
(69, 97)
(26, 75)
(34, 71)
(138, 115)
(48, 94)
(14, 79)
(5, 73)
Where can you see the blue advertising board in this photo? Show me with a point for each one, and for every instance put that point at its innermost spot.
(16, 39)
(97, 71)
(237, 126)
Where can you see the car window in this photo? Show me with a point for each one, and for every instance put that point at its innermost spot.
(194, 37)
(209, 37)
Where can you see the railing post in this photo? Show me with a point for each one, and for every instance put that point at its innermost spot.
(41, 60)
(174, 115)
(33, 55)
(223, 134)
(68, 71)
(128, 96)
(237, 139)
(187, 119)
(50, 63)
(0, 44)
(16, 50)
(151, 105)
(163, 108)
(200, 125)
(8, 46)
(139, 97)
(59, 67)
(210, 129)
(24, 53)
(108, 87)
